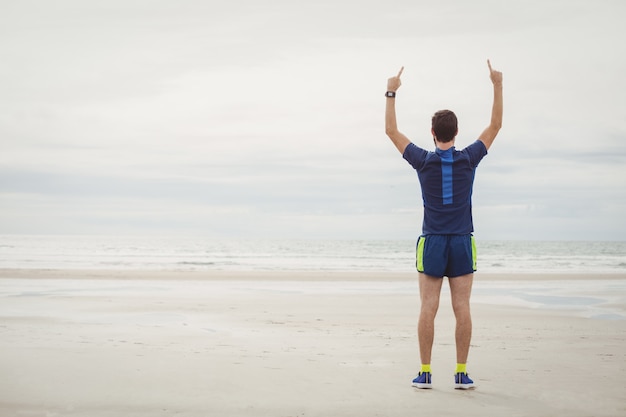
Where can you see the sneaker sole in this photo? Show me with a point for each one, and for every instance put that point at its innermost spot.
(423, 386)
(464, 386)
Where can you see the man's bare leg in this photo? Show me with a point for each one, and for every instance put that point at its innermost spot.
(430, 289)
(460, 291)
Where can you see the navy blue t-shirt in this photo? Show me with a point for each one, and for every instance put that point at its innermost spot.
(446, 178)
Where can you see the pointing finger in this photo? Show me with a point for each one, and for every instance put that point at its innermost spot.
(489, 63)
(400, 72)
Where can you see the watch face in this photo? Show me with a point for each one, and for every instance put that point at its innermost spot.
(390, 94)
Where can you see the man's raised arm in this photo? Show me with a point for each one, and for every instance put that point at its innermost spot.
(490, 133)
(391, 127)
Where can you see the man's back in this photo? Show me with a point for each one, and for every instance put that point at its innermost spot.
(446, 178)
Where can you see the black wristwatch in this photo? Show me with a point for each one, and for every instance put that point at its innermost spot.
(390, 94)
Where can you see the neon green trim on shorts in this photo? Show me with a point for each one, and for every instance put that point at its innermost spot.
(420, 254)
(473, 253)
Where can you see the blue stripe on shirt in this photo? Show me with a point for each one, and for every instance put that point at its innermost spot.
(446, 176)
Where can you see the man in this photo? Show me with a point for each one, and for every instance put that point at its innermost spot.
(446, 246)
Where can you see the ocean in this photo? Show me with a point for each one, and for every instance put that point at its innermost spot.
(200, 254)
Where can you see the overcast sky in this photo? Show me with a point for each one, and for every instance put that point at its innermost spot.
(265, 119)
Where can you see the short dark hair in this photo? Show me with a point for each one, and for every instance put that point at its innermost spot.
(445, 125)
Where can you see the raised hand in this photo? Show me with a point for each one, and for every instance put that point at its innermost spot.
(496, 76)
(394, 83)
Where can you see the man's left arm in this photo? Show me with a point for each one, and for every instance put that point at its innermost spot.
(391, 125)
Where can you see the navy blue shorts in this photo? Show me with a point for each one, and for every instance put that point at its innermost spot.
(446, 255)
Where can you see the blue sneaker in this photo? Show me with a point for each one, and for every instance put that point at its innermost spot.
(462, 381)
(423, 380)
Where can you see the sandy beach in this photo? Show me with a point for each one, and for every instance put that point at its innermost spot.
(141, 343)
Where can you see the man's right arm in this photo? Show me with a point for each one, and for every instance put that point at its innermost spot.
(490, 133)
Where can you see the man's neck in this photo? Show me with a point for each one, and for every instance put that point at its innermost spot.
(444, 146)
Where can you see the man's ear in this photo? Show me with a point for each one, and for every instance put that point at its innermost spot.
(433, 132)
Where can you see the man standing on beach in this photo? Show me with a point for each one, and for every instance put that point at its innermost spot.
(446, 246)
